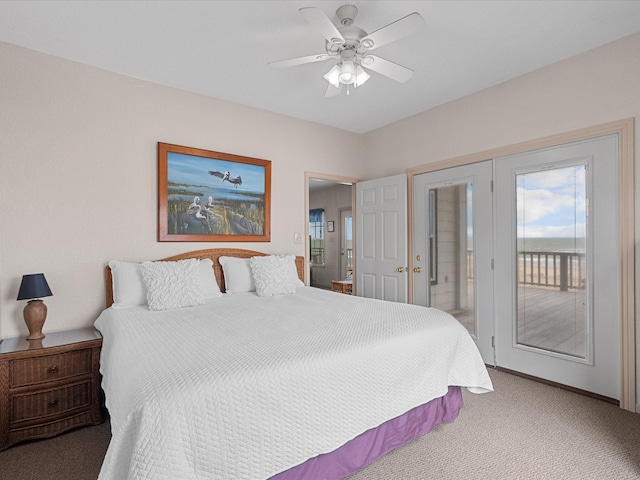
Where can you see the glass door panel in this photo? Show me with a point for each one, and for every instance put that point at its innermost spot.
(451, 252)
(552, 269)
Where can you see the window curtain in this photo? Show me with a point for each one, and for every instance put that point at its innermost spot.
(316, 215)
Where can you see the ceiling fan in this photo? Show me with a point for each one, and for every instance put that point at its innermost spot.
(349, 46)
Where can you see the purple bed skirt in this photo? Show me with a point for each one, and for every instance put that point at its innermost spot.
(373, 444)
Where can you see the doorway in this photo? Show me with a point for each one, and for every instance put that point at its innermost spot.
(326, 198)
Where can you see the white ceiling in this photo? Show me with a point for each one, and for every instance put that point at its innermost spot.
(221, 48)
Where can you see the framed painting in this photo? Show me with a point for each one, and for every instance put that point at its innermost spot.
(206, 196)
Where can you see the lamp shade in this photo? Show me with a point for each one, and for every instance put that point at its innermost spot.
(333, 76)
(361, 76)
(34, 286)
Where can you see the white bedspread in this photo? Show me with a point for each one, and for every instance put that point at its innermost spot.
(245, 387)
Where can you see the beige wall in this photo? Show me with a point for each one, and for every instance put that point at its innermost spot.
(79, 172)
(594, 88)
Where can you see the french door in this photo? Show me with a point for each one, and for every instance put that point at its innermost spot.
(532, 269)
(453, 248)
(558, 264)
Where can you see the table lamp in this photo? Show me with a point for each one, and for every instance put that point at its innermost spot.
(32, 288)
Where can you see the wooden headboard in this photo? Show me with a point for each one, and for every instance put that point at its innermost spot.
(214, 254)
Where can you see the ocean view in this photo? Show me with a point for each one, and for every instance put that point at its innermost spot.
(551, 245)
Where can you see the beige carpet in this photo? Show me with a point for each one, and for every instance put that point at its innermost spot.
(523, 430)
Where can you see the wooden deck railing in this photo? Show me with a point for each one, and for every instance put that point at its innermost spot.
(563, 270)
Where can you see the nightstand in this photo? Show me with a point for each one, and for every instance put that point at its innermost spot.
(50, 385)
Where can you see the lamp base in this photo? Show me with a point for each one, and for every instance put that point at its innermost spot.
(35, 313)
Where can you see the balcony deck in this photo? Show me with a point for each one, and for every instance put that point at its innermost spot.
(549, 318)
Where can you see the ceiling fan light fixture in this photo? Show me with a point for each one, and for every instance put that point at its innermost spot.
(361, 76)
(347, 72)
(333, 76)
(367, 43)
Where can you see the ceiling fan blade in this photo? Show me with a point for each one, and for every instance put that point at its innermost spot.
(292, 62)
(319, 20)
(394, 31)
(388, 69)
(333, 91)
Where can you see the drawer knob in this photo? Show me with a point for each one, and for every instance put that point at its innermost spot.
(52, 369)
(53, 403)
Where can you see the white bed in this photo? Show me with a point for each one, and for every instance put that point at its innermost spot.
(247, 387)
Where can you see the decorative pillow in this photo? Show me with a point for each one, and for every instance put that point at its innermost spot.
(173, 284)
(129, 288)
(237, 274)
(209, 284)
(272, 275)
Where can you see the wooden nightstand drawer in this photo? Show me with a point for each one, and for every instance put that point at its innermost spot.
(68, 398)
(31, 371)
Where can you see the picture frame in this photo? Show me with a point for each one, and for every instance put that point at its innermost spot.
(330, 226)
(206, 196)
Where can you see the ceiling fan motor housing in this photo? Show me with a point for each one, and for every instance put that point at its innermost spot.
(347, 14)
(352, 41)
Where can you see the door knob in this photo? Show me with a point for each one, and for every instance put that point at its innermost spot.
(417, 269)
(400, 269)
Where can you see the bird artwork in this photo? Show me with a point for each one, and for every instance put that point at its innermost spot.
(227, 176)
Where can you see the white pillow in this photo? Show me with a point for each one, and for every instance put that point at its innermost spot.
(237, 274)
(272, 275)
(209, 284)
(173, 284)
(128, 285)
(129, 288)
(293, 271)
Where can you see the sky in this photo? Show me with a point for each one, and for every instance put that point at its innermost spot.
(193, 170)
(552, 203)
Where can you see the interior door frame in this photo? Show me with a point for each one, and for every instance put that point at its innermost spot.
(625, 131)
(328, 178)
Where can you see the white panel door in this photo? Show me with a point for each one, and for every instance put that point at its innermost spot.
(558, 264)
(381, 233)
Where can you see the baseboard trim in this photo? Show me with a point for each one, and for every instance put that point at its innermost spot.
(559, 385)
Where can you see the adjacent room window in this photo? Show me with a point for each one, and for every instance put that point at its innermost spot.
(316, 236)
